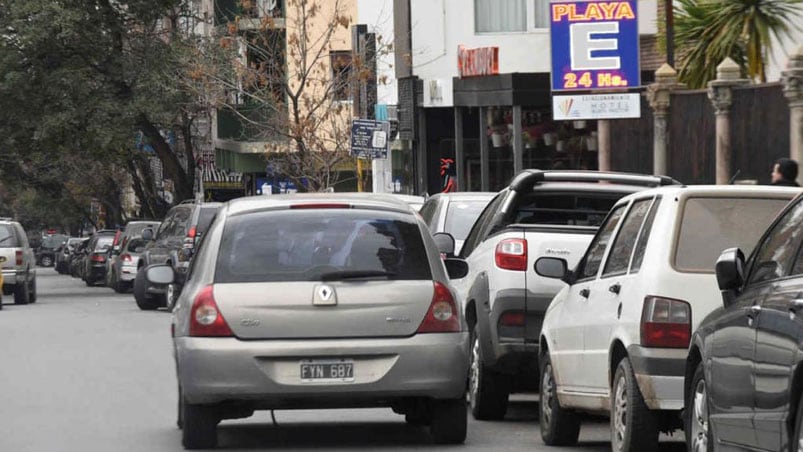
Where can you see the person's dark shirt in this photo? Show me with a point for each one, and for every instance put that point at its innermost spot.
(786, 183)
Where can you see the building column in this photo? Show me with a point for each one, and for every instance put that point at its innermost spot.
(659, 95)
(792, 79)
(518, 141)
(604, 144)
(459, 148)
(421, 154)
(485, 179)
(720, 92)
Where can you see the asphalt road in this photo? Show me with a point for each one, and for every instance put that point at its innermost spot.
(84, 369)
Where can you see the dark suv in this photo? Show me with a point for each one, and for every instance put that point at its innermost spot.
(173, 244)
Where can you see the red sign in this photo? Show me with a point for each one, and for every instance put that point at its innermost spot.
(477, 62)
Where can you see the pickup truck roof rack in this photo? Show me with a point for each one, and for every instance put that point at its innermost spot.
(527, 179)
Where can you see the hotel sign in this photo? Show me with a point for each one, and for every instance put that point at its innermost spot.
(477, 62)
(595, 45)
(596, 106)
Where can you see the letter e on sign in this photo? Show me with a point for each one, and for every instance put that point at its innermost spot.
(583, 42)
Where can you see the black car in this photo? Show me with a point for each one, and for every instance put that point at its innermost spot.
(172, 244)
(95, 255)
(744, 373)
(47, 250)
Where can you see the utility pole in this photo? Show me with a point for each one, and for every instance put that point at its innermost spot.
(669, 16)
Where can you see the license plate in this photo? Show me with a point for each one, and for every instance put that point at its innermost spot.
(322, 371)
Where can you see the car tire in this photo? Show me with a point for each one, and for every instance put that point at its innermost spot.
(696, 417)
(488, 391)
(22, 295)
(171, 297)
(119, 286)
(449, 422)
(32, 291)
(46, 261)
(180, 414)
(200, 426)
(145, 301)
(633, 427)
(89, 282)
(559, 426)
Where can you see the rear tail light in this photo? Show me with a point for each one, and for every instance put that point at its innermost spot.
(189, 240)
(665, 323)
(98, 258)
(442, 315)
(511, 254)
(18, 256)
(513, 318)
(205, 317)
(126, 257)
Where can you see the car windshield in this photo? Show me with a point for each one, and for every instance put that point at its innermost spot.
(461, 216)
(7, 236)
(710, 225)
(137, 228)
(308, 246)
(53, 241)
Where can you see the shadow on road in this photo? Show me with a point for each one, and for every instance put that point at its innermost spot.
(367, 435)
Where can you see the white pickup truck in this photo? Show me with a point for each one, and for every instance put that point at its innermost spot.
(541, 213)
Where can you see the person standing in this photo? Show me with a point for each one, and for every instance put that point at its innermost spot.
(784, 173)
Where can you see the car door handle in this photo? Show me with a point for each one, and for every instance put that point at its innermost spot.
(615, 288)
(585, 293)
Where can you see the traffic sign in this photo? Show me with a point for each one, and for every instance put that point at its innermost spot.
(595, 45)
(370, 139)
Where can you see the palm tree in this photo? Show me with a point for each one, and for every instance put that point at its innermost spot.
(708, 31)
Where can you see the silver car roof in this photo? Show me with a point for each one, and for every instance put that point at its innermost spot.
(364, 200)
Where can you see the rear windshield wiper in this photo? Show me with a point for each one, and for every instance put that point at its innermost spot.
(354, 274)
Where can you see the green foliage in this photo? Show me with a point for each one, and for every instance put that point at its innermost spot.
(708, 31)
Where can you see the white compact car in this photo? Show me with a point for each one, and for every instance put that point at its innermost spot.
(615, 340)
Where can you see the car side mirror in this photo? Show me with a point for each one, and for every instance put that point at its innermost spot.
(445, 242)
(456, 268)
(730, 274)
(147, 234)
(160, 274)
(552, 267)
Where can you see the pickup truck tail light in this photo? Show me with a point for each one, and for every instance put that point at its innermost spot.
(442, 315)
(511, 254)
(189, 240)
(18, 257)
(205, 317)
(665, 322)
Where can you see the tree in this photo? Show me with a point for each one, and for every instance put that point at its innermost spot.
(708, 31)
(287, 81)
(80, 79)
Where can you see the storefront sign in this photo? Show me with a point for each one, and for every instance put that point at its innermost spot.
(370, 139)
(595, 45)
(596, 106)
(477, 62)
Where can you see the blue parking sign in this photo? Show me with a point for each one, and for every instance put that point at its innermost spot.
(595, 45)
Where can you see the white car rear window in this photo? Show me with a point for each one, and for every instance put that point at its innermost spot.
(711, 225)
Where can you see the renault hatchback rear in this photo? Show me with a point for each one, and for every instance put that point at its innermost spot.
(319, 302)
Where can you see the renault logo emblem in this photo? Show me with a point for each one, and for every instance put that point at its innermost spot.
(324, 295)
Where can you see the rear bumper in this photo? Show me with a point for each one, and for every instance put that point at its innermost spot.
(127, 273)
(514, 349)
(10, 277)
(660, 374)
(215, 370)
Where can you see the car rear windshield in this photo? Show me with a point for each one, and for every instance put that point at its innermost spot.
(304, 245)
(54, 241)
(568, 209)
(7, 236)
(711, 225)
(104, 241)
(462, 215)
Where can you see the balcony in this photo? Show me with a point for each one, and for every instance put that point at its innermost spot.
(227, 10)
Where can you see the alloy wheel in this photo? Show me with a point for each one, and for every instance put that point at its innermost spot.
(699, 422)
(474, 373)
(620, 413)
(547, 394)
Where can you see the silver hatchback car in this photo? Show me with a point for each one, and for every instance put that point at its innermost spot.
(319, 301)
